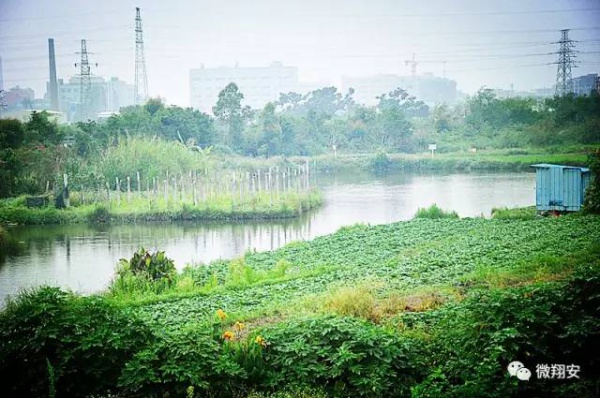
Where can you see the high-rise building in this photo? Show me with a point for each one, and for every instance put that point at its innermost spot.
(427, 88)
(107, 95)
(584, 85)
(259, 85)
(19, 98)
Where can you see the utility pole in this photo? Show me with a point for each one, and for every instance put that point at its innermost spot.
(413, 65)
(141, 80)
(566, 61)
(85, 84)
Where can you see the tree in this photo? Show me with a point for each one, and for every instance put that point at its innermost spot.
(12, 135)
(289, 101)
(229, 111)
(189, 125)
(271, 140)
(441, 118)
(361, 126)
(153, 105)
(394, 128)
(39, 129)
(134, 120)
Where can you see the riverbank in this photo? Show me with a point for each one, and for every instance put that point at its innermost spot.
(393, 310)
(449, 162)
(262, 206)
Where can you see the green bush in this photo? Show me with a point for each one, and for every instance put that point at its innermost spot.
(144, 273)
(152, 266)
(549, 323)
(77, 345)
(592, 195)
(291, 393)
(100, 214)
(177, 361)
(522, 213)
(345, 356)
(434, 211)
(380, 163)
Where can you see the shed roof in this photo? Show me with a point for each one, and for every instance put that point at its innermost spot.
(548, 165)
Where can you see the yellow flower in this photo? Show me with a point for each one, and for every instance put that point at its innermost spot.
(221, 314)
(228, 335)
(260, 341)
(239, 325)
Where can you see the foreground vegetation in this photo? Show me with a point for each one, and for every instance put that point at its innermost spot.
(427, 308)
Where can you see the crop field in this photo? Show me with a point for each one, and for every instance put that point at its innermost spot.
(397, 257)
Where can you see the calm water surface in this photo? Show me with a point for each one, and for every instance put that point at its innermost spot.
(83, 258)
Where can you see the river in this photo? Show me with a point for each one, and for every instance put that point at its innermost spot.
(83, 257)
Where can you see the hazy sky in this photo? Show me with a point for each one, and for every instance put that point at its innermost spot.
(493, 43)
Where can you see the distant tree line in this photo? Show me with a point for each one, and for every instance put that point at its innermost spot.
(321, 121)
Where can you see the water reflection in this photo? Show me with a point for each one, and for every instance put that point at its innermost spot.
(82, 257)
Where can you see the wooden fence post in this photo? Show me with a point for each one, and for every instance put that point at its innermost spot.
(128, 189)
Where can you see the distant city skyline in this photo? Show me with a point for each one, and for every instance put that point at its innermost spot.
(496, 44)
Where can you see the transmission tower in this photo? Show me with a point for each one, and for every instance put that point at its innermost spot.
(85, 83)
(141, 80)
(566, 61)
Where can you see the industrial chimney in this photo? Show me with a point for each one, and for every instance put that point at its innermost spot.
(53, 86)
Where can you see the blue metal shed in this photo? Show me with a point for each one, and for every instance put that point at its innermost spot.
(560, 188)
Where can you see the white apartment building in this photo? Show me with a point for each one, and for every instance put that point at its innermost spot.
(259, 85)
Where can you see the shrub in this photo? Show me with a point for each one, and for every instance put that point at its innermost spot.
(143, 273)
(52, 340)
(434, 211)
(592, 194)
(100, 214)
(380, 163)
(545, 323)
(176, 361)
(152, 266)
(522, 213)
(345, 356)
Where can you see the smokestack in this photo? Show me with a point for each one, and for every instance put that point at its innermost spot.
(53, 86)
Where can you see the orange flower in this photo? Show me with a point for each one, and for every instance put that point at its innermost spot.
(260, 341)
(221, 314)
(228, 335)
(239, 325)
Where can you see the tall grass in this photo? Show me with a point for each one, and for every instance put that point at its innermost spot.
(151, 158)
(434, 211)
(520, 213)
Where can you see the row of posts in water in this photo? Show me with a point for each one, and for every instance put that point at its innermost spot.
(197, 188)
